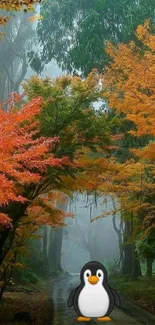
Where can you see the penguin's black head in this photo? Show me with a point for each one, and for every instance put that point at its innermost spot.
(93, 273)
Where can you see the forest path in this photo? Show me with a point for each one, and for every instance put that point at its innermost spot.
(63, 315)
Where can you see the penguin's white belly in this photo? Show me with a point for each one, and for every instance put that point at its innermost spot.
(93, 301)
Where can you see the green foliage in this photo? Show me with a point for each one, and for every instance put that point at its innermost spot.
(139, 290)
(75, 32)
(28, 276)
(146, 246)
(37, 264)
(69, 112)
(53, 270)
(35, 261)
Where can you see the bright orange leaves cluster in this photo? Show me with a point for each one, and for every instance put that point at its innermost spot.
(24, 155)
(5, 221)
(129, 88)
(130, 81)
(17, 4)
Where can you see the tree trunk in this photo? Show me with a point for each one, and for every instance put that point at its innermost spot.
(39, 241)
(51, 240)
(127, 249)
(12, 54)
(15, 211)
(119, 232)
(45, 245)
(149, 262)
(136, 264)
(128, 259)
(55, 244)
(55, 250)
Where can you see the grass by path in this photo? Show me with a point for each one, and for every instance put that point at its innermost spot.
(140, 291)
(37, 304)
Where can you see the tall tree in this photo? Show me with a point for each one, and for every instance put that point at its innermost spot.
(40, 143)
(24, 161)
(69, 114)
(129, 88)
(56, 237)
(14, 45)
(74, 33)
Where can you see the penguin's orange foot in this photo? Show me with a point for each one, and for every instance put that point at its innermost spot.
(104, 319)
(83, 319)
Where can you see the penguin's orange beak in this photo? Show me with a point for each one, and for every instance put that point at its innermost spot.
(93, 279)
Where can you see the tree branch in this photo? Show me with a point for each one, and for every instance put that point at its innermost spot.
(8, 72)
(23, 73)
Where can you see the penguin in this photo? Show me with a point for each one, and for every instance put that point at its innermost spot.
(93, 298)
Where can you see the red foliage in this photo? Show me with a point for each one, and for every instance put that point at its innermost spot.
(24, 154)
(5, 221)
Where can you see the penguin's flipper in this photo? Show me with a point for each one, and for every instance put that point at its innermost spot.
(71, 298)
(117, 299)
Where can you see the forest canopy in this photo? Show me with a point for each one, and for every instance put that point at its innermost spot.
(74, 33)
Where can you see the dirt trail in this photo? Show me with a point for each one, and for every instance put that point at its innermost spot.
(67, 316)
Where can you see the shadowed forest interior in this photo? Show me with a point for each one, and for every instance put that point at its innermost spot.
(77, 155)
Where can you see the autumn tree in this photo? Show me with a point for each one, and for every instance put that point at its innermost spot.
(42, 146)
(24, 162)
(70, 114)
(129, 89)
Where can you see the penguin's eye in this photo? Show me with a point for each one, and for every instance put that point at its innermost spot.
(87, 273)
(99, 273)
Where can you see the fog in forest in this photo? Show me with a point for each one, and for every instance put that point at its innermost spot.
(83, 240)
(74, 189)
